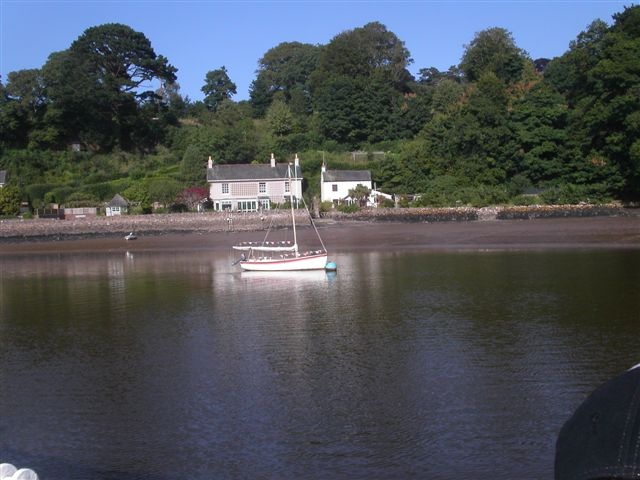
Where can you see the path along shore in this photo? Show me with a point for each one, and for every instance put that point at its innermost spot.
(513, 228)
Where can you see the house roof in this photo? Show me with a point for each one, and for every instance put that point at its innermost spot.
(250, 172)
(3, 176)
(347, 176)
(118, 201)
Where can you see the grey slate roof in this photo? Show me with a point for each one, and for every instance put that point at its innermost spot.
(347, 176)
(250, 172)
(118, 201)
(3, 176)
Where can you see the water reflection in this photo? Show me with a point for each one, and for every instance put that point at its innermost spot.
(398, 366)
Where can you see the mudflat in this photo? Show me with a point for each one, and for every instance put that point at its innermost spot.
(342, 236)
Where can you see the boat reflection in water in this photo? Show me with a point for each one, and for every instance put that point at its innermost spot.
(294, 277)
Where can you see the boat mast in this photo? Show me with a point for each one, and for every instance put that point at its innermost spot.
(293, 217)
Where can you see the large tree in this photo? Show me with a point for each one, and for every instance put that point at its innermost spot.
(217, 88)
(493, 50)
(284, 70)
(365, 52)
(97, 87)
(361, 78)
(600, 76)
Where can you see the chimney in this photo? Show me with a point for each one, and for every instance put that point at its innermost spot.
(273, 161)
(324, 168)
(210, 162)
(296, 162)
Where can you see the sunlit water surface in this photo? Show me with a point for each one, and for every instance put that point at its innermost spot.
(410, 365)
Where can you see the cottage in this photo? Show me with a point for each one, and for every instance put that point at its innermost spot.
(117, 206)
(248, 188)
(335, 184)
(3, 178)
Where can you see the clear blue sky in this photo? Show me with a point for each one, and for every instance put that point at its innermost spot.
(199, 36)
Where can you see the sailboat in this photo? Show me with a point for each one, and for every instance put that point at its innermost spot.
(282, 256)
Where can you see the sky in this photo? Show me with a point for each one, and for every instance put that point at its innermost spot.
(198, 36)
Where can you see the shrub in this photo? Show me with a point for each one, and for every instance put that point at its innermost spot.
(10, 198)
(326, 207)
(348, 208)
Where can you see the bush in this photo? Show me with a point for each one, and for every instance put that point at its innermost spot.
(348, 208)
(526, 200)
(10, 198)
(385, 202)
(569, 194)
(326, 207)
(81, 199)
(58, 194)
(37, 191)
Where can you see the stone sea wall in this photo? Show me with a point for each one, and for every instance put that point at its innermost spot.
(45, 229)
(144, 224)
(486, 213)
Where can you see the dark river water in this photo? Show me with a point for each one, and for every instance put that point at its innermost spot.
(459, 365)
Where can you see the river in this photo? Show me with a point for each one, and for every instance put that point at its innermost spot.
(438, 365)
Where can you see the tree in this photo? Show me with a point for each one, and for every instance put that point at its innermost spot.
(10, 198)
(360, 81)
(163, 190)
(121, 59)
(568, 73)
(192, 165)
(218, 87)
(360, 193)
(539, 121)
(280, 119)
(493, 50)
(600, 77)
(96, 88)
(285, 69)
(364, 51)
(192, 196)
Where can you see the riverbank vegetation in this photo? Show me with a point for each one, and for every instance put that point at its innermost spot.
(106, 116)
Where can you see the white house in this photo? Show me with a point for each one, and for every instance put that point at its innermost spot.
(335, 184)
(117, 206)
(249, 188)
(3, 178)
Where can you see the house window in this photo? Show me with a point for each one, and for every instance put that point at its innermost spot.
(247, 206)
(262, 187)
(264, 204)
(226, 205)
(225, 188)
(334, 187)
(287, 187)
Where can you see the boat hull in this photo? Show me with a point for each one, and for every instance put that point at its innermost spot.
(310, 262)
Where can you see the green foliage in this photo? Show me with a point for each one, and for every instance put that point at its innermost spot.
(360, 193)
(448, 191)
(482, 132)
(348, 208)
(192, 166)
(81, 199)
(163, 190)
(285, 70)
(326, 207)
(217, 88)
(10, 198)
(493, 51)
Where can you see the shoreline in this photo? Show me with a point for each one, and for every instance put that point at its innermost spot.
(599, 232)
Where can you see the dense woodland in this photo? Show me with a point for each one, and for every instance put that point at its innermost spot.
(86, 125)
